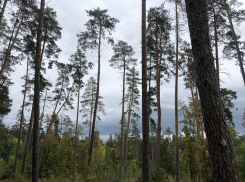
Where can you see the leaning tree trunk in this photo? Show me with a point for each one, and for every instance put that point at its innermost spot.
(176, 97)
(145, 121)
(35, 163)
(6, 58)
(96, 105)
(51, 123)
(22, 117)
(221, 152)
(236, 43)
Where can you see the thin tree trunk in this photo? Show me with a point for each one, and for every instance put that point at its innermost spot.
(158, 108)
(91, 117)
(3, 10)
(122, 122)
(22, 117)
(96, 104)
(216, 43)
(35, 162)
(221, 152)
(126, 142)
(28, 140)
(42, 115)
(6, 58)
(236, 43)
(75, 146)
(61, 128)
(145, 121)
(176, 97)
(50, 125)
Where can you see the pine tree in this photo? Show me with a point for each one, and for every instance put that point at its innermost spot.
(97, 27)
(79, 70)
(145, 121)
(87, 105)
(222, 156)
(122, 59)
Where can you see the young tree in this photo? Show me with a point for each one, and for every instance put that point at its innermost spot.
(22, 116)
(145, 121)
(87, 105)
(63, 95)
(122, 59)
(97, 27)
(221, 152)
(80, 68)
(35, 163)
(132, 97)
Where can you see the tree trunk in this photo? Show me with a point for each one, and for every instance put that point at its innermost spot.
(75, 146)
(158, 108)
(216, 43)
(91, 117)
(145, 121)
(35, 163)
(126, 142)
(221, 153)
(42, 115)
(236, 43)
(176, 97)
(3, 9)
(122, 122)
(6, 58)
(96, 104)
(28, 140)
(22, 118)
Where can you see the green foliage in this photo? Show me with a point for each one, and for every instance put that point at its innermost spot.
(240, 158)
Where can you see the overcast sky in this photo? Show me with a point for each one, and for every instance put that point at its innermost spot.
(71, 16)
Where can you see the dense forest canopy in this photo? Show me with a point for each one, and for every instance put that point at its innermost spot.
(98, 137)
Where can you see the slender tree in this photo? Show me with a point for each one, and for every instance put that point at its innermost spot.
(132, 80)
(80, 68)
(22, 117)
(221, 152)
(145, 121)
(35, 166)
(87, 105)
(121, 59)
(97, 27)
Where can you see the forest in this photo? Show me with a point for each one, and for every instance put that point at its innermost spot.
(57, 123)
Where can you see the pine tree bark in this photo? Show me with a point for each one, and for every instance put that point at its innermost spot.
(96, 104)
(221, 152)
(236, 43)
(176, 96)
(145, 121)
(22, 118)
(35, 162)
